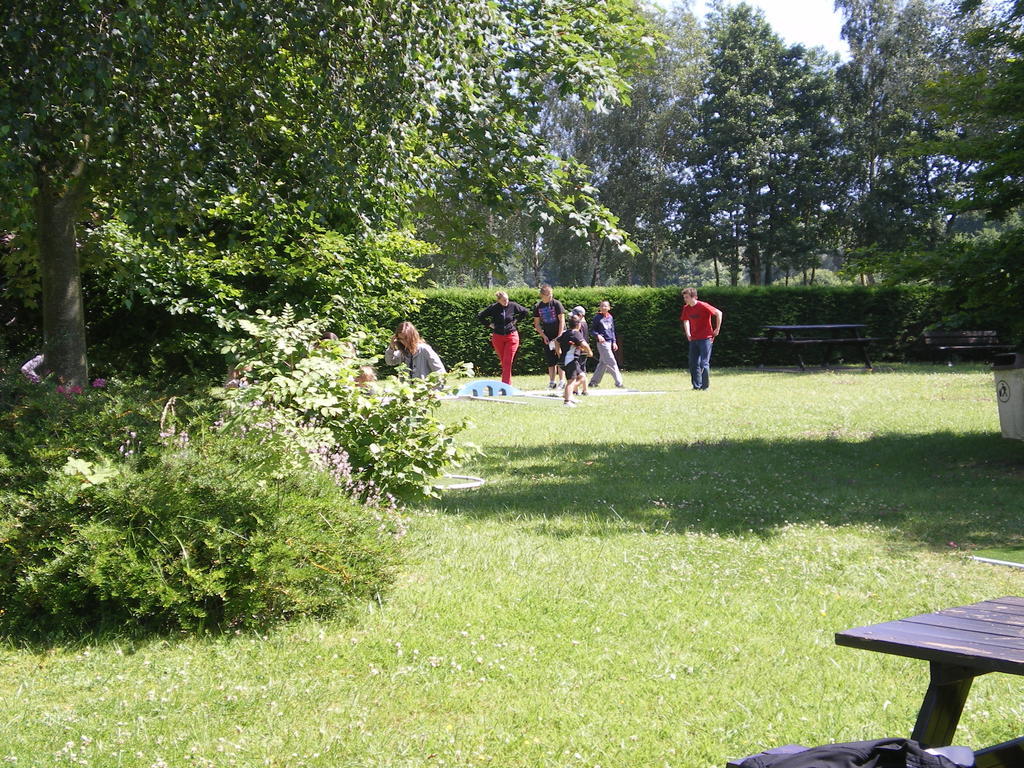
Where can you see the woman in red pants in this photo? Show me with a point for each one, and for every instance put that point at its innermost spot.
(501, 317)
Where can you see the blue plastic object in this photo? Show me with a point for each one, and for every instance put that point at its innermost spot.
(487, 388)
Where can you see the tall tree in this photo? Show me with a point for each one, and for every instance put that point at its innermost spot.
(895, 197)
(982, 110)
(631, 149)
(346, 110)
(985, 109)
(755, 175)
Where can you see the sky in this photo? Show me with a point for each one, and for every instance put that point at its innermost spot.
(811, 22)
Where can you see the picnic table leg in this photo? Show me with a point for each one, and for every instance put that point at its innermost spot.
(864, 351)
(943, 704)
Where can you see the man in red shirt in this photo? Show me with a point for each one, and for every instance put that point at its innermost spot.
(700, 332)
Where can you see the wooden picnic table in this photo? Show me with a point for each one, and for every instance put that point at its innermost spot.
(827, 335)
(960, 644)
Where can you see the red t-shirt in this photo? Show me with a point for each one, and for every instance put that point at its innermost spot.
(699, 316)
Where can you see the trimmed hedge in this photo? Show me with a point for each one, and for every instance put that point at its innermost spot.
(647, 321)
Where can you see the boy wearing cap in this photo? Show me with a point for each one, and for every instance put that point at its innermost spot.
(579, 316)
(570, 347)
(603, 329)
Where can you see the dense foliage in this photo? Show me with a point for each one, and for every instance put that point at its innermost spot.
(742, 159)
(275, 497)
(160, 311)
(156, 115)
(383, 439)
(117, 506)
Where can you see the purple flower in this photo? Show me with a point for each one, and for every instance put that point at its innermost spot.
(99, 383)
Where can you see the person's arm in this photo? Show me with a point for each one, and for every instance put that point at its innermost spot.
(484, 315)
(433, 360)
(686, 329)
(586, 348)
(595, 329)
(717, 325)
(537, 328)
(28, 370)
(393, 354)
(561, 324)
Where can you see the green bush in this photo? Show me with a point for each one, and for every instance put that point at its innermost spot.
(157, 308)
(115, 508)
(203, 537)
(647, 321)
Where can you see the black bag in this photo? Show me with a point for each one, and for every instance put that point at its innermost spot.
(881, 753)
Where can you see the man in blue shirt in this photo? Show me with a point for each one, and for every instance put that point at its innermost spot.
(603, 329)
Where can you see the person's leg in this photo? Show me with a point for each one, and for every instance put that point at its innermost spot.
(705, 362)
(595, 380)
(573, 387)
(511, 347)
(498, 344)
(696, 378)
(553, 367)
(570, 387)
(507, 346)
(608, 362)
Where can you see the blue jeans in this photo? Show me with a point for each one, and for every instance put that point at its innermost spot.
(700, 362)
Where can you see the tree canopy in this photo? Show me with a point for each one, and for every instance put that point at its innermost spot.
(341, 113)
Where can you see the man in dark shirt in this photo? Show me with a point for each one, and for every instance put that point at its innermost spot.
(549, 322)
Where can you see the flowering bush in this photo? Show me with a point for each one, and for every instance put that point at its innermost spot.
(305, 391)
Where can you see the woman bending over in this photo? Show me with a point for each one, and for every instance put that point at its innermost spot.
(409, 348)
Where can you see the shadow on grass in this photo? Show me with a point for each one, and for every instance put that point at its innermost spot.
(933, 489)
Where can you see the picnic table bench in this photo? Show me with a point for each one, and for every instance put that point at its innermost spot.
(963, 342)
(959, 644)
(829, 336)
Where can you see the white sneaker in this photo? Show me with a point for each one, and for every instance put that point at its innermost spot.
(552, 385)
(569, 403)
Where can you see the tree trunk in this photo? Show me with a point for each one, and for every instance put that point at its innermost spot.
(63, 310)
(753, 257)
(595, 276)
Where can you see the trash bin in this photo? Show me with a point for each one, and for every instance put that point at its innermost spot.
(1009, 377)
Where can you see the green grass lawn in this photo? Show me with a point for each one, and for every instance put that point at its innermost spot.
(643, 581)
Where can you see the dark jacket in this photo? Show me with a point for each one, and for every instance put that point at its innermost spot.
(503, 319)
(605, 326)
